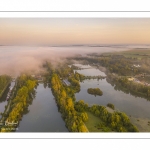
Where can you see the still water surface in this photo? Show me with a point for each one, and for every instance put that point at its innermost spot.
(131, 105)
(43, 115)
(87, 70)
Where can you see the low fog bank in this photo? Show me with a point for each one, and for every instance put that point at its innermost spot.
(15, 60)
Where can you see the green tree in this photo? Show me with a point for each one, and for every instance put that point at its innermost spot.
(84, 116)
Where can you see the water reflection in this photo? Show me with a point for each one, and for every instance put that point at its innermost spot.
(117, 87)
(131, 105)
(43, 115)
(87, 70)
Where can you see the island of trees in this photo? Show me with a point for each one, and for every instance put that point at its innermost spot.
(95, 91)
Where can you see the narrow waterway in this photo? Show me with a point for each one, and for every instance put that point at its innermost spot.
(3, 101)
(43, 115)
(88, 70)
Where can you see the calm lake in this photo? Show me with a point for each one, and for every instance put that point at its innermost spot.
(133, 106)
(43, 115)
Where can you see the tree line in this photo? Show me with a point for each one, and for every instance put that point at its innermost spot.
(4, 81)
(127, 86)
(65, 95)
(74, 120)
(118, 64)
(21, 100)
(117, 121)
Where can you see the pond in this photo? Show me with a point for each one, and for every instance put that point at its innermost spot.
(43, 115)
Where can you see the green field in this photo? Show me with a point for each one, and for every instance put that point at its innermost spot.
(93, 124)
(135, 53)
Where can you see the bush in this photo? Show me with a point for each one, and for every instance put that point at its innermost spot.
(111, 106)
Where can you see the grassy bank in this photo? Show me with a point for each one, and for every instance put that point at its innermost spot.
(95, 124)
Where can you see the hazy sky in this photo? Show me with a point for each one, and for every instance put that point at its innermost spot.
(52, 31)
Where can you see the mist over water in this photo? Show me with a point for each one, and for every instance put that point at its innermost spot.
(18, 59)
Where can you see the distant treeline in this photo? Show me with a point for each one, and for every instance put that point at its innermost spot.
(122, 83)
(118, 64)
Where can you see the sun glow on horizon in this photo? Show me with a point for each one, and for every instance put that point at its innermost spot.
(58, 31)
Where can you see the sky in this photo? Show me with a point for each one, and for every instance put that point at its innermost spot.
(68, 31)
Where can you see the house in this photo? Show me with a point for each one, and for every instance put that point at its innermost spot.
(136, 66)
(130, 79)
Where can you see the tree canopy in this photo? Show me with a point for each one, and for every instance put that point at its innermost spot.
(95, 91)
